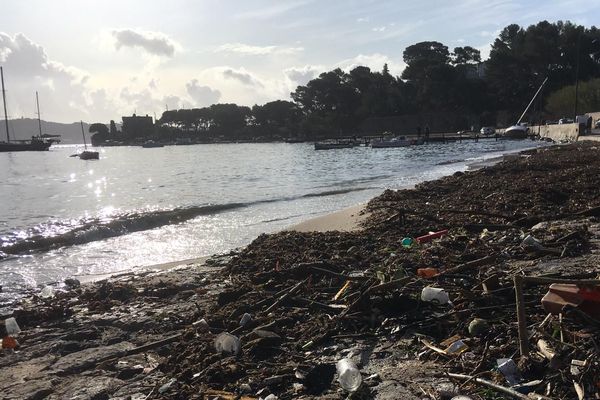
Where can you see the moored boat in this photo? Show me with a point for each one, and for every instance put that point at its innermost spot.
(399, 141)
(36, 143)
(87, 154)
(518, 131)
(151, 143)
(333, 145)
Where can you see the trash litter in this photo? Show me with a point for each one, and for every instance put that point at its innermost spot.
(434, 295)
(428, 272)
(167, 385)
(531, 244)
(227, 343)
(9, 343)
(431, 236)
(509, 369)
(201, 325)
(559, 295)
(461, 397)
(407, 242)
(47, 292)
(245, 319)
(348, 375)
(12, 328)
(456, 347)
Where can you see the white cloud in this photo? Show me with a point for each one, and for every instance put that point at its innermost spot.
(202, 95)
(378, 29)
(241, 48)
(155, 43)
(301, 75)
(242, 76)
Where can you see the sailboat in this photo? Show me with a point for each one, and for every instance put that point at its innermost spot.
(87, 154)
(521, 130)
(36, 143)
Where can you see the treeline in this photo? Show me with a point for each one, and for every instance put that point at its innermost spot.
(434, 80)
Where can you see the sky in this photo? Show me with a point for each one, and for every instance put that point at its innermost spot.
(97, 60)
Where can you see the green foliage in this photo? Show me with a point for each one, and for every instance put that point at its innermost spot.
(434, 81)
(562, 102)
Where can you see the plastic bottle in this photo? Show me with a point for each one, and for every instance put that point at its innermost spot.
(245, 319)
(12, 328)
(435, 295)
(227, 343)
(348, 375)
(407, 242)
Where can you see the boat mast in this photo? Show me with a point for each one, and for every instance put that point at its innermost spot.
(37, 101)
(4, 102)
(83, 134)
(531, 102)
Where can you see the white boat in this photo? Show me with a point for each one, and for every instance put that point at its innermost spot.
(519, 131)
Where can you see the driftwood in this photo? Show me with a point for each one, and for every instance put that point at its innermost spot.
(501, 389)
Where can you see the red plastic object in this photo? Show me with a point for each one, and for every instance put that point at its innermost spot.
(587, 299)
(431, 236)
(428, 272)
(9, 343)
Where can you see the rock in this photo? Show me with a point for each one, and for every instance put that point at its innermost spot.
(72, 283)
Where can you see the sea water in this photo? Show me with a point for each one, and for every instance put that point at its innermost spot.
(61, 216)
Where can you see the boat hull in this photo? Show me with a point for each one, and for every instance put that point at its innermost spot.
(516, 132)
(333, 146)
(89, 155)
(29, 146)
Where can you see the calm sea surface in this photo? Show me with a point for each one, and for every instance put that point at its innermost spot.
(61, 216)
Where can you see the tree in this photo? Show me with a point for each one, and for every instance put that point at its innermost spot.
(98, 128)
(113, 128)
(466, 55)
(100, 133)
(421, 56)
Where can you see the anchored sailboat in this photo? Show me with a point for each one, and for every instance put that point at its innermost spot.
(36, 143)
(87, 154)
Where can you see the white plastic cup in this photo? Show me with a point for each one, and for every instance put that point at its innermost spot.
(435, 295)
(12, 328)
(227, 343)
(348, 375)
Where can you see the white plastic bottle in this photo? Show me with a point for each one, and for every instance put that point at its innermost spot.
(348, 375)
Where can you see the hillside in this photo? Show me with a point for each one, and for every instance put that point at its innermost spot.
(24, 128)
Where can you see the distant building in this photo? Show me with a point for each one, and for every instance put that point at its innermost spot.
(135, 126)
(476, 71)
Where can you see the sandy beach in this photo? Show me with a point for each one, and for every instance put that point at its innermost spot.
(337, 286)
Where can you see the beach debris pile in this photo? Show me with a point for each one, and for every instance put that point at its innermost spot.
(480, 285)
